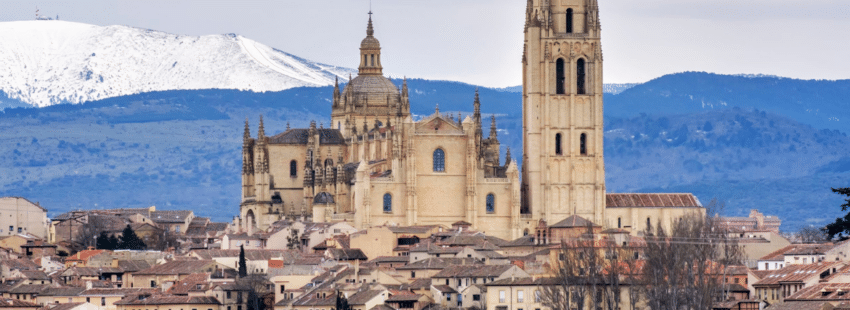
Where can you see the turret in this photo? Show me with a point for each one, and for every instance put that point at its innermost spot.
(336, 99)
(370, 52)
(493, 133)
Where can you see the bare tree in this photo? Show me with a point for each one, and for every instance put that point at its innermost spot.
(810, 234)
(258, 287)
(686, 267)
(579, 275)
(87, 234)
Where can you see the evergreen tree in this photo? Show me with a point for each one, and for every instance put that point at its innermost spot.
(293, 241)
(113, 242)
(243, 267)
(130, 241)
(341, 302)
(841, 226)
(103, 243)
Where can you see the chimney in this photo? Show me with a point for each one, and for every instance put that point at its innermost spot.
(88, 285)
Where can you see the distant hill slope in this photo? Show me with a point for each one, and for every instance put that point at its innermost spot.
(49, 62)
(819, 103)
(180, 149)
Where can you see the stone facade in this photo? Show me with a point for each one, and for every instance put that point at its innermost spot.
(19, 215)
(376, 165)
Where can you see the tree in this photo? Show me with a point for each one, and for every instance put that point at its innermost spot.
(103, 242)
(686, 267)
(342, 302)
(810, 234)
(243, 266)
(113, 242)
(841, 226)
(86, 235)
(130, 241)
(259, 290)
(579, 275)
(293, 241)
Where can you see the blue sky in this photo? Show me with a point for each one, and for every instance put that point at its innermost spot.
(480, 41)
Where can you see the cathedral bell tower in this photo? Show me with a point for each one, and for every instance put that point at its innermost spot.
(563, 164)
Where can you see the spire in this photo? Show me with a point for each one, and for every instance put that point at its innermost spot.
(476, 105)
(369, 30)
(287, 125)
(247, 136)
(261, 134)
(508, 156)
(492, 126)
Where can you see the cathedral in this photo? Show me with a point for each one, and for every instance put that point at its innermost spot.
(376, 165)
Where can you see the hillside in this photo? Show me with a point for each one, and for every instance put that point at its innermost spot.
(50, 62)
(180, 149)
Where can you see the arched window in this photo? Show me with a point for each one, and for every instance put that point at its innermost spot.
(558, 144)
(439, 160)
(648, 223)
(619, 222)
(293, 169)
(569, 20)
(580, 77)
(388, 203)
(582, 147)
(329, 162)
(373, 60)
(491, 203)
(560, 77)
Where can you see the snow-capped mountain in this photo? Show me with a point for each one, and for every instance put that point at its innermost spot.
(49, 62)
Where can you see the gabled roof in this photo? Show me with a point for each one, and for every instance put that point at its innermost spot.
(191, 283)
(300, 136)
(574, 221)
(362, 297)
(19, 264)
(822, 291)
(62, 291)
(170, 216)
(474, 271)
(68, 306)
(434, 263)
(347, 254)
(133, 265)
(14, 303)
(798, 249)
(654, 200)
(170, 300)
(796, 273)
(179, 267)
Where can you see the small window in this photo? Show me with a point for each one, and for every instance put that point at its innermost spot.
(293, 169)
(491, 203)
(388, 203)
(501, 296)
(103, 301)
(560, 77)
(648, 223)
(373, 60)
(569, 21)
(476, 297)
(558, 144)
(583, 144)
(619, 222)
(520, 296)
(580, 76)
(20, 230)
(439, 160)
(153, 283)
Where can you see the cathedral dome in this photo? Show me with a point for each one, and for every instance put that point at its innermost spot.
(370, 42)
(372, 85)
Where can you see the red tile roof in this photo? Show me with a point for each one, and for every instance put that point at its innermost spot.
(651, 200)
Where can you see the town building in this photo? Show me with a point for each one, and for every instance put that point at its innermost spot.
(21, 216)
